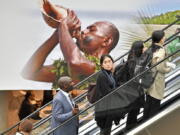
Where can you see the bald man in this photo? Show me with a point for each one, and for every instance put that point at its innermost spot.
(64, 108)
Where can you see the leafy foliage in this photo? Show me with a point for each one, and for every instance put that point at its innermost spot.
(165, 18)
(61, 69)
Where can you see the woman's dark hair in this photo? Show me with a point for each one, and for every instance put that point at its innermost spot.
(157, 36)
(136, 49)
(104, 56)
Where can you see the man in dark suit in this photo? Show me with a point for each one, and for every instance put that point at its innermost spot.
(64, 108)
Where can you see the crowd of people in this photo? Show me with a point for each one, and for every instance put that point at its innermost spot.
(96, 41)
(64, 107)
(105, 112)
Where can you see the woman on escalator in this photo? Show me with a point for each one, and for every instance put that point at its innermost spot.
(105, 84)
(136, 52)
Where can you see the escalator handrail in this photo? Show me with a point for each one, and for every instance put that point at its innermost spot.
(167, 94)
(52, 130)
(37, 124)
(162, 104)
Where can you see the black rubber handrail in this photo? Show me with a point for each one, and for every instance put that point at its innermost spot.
(78, 84)
(42, 121)
(162, 105)
(142, 111)
(52, 130)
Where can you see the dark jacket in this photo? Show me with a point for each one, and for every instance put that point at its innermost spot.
(105, 84)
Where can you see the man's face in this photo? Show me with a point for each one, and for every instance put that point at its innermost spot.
(69, 86)
(92, 37)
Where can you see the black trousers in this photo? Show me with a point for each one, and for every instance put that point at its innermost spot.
(132, 118)
(152, 107)
(105, 124)
(105, 131)
(133, 113)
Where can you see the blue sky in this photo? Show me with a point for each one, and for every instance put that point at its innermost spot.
(120, 5)
(162, 6)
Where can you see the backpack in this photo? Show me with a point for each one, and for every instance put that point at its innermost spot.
(121, 74)
(143, 63)
(91, 94)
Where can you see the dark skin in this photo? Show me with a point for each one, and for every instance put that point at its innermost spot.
(93, 41)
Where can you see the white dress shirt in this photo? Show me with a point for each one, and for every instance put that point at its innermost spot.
(68, 97)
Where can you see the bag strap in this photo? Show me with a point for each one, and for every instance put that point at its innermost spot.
(155, 74)
(154, 77)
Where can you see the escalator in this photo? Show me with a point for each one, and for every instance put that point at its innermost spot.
(87, 123)
(89, 116)
(172, 93)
